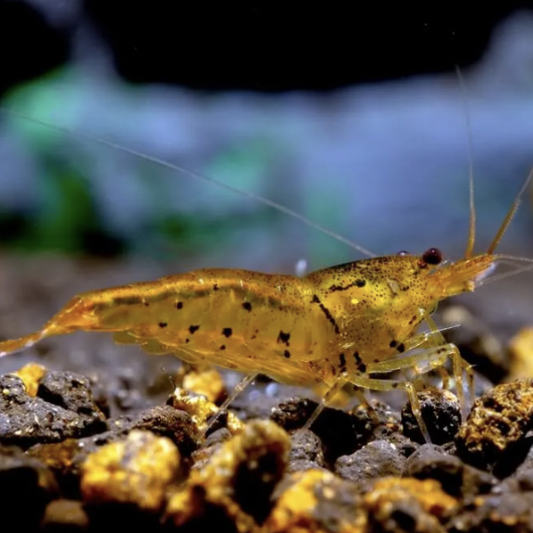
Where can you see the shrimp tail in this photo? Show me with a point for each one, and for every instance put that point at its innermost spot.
(16, 345)
(71, 318)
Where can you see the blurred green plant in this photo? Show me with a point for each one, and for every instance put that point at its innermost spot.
(68, 213)
(65, 220)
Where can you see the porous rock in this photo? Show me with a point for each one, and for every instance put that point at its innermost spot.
(135, 471)
(27, 420)
(495, 435)
(377, 459)
(440, 411)
(456, 478)
(234, 489)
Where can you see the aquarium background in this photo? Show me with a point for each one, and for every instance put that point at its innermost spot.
(377, 154)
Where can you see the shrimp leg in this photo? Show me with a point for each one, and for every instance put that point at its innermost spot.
(432, 359)
(341, 380)
(243, 383)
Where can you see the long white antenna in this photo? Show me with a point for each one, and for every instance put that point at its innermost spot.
(472, 221)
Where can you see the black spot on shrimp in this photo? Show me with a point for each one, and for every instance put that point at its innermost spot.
(325, 310)
(284, 338)
(342, 362)
(359, 362)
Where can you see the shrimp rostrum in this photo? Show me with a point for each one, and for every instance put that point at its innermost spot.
(336, 326)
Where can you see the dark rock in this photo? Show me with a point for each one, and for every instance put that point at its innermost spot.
(525, 480)
(293, 413)
(377, 459)
(509, 512)
(129, 391)
(404, 445)
(456, 478)
(526, 465)
(65, 458)
(477, 344)
(441, 413)
(162, 420)
(217, 437)
(25, 421)
(385, 425)
(73, 392)
(217, 421)
(340, 432)
(522, 479)
(306, 452)
(27, 487)
(117, 517)
(210, 446)
(100, 395)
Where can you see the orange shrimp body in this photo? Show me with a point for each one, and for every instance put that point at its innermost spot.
(338, 320)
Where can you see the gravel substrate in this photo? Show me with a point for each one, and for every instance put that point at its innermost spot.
(95, 437)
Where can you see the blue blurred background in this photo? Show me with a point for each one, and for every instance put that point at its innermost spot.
(377, 154)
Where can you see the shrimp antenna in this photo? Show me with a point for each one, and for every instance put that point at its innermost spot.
(472, 219)
(510, 214)
(196, 175)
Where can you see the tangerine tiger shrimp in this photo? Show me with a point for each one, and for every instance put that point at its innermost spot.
(336, 326)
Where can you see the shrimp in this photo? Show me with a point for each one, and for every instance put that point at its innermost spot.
(336, 326)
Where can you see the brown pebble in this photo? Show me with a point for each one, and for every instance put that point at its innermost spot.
(135, 471)
(521, 355)
(494, 436)
(407, 504)
(236, 483)
(205, 381)
(64, 516)
(317, 501)
(201, 410)
(31, 375)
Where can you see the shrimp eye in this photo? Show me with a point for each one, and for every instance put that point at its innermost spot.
(403, 253)
(433, 256)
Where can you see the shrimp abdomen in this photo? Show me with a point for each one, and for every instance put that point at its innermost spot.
(219, 314)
